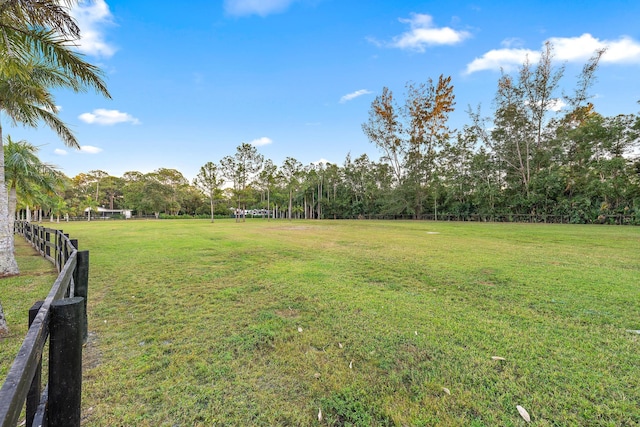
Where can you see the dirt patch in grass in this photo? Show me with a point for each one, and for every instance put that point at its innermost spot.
(91, 354)
(491, 284)
(288, 313)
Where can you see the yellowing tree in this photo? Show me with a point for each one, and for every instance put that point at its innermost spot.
(412, 137)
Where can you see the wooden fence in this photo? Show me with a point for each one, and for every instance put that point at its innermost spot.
(61, 317)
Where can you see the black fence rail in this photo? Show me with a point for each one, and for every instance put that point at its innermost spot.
(61, 318)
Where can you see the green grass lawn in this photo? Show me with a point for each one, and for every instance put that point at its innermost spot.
(18, 294)
(373, 323)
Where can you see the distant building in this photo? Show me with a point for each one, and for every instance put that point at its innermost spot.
(249, 212)
(107, 213)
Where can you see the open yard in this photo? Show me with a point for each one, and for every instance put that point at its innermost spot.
(371, 323)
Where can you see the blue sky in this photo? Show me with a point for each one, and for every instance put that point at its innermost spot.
(191, 81)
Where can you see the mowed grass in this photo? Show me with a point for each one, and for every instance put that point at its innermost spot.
(373, 323)
(18, 294)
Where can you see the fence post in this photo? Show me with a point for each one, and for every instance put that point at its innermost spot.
(81, 280)
(65, 362)
(41, 240)
(67, 252)
(33, 397)
(47, 248)
(58, 251)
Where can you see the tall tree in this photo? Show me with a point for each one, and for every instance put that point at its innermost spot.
(231, 173)
(241, 170)
(111, 191)
(456, 173)
(97, 176)
(35, 41)
(320, 171)
(524, 134)
(291, 170)
(334, 185)
(384, 129)
(133, 182)
(267, 179)
(35, 44)
(209, 180)
(156, 196)
(412, 137)
(427, 110)
(173, 181)
(249, 163)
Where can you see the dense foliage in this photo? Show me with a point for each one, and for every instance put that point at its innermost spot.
(537, 157)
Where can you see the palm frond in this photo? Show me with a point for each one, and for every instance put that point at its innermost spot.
(24, 170)
(53, 121)
(53, 51)
(42, 13)
(37, 55)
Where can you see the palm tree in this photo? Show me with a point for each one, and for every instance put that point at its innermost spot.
(44, 30)
(35, 40)
(22, 167)
(35, 47)
(58, 207)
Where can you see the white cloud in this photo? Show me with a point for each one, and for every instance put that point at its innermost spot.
(322, 161)
(506, 59)
(59, 152)
(557, 104)
(625, 49)
(92, 16)
(353, 95)
(423, 33)
(102, 116)
(90, 149)
(256, 7)
(569, 49)
(261, 141)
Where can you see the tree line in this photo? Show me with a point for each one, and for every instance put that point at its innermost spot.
(528, 159)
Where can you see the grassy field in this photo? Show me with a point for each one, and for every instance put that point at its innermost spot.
(373, 323)
(18, 294)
